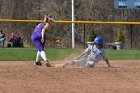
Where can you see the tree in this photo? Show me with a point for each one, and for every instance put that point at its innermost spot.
(92, 36)
(120, 37)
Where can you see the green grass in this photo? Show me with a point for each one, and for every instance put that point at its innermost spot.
(123, 54)
(29, 54)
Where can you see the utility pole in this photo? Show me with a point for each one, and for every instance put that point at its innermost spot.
(73, 25)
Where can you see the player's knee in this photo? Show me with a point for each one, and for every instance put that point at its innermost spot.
(90, 64)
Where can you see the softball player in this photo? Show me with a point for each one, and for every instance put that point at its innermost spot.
(92, 55)
(38, 39)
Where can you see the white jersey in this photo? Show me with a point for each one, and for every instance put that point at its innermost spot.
(96, 54)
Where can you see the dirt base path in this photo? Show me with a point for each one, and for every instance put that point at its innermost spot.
(24, 77)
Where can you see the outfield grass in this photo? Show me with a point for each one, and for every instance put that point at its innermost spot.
(29, 54)
(123, 54)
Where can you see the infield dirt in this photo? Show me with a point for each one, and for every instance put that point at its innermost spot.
(24, 77)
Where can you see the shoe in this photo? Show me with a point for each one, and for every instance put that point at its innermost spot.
(48, 64)
(59, 66)
(38, 63)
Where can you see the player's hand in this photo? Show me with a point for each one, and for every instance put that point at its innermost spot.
(42, 40)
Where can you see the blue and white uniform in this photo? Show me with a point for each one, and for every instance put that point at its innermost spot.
(93, 55)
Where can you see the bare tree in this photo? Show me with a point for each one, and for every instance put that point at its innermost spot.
(89, 10)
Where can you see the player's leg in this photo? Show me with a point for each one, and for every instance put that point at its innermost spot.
(3, 42)
(37, 44)
(40, 46)
(43, 55)
(67, 64)
(35, 40)
(89, 63)
(81, 62)
(38, 59)
(38, 56)
(0, 42)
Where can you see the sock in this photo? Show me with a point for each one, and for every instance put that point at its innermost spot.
(43, 55)
(38, 56)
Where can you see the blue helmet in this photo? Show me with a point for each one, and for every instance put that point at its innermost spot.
(98, 40)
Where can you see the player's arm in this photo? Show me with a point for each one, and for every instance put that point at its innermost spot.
(43, 31)
(46, 18)
(106, 60)
(82, 54)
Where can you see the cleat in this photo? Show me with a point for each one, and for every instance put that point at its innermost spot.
(59, 66)
(48, 64)
(38, 64)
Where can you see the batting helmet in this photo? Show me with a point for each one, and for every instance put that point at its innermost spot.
(98, 40)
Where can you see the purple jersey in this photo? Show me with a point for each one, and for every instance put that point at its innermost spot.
(40, 27)
(37, 35)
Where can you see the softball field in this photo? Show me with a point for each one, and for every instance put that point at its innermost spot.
(24, 77)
